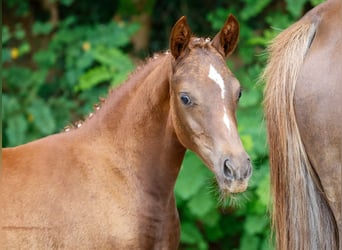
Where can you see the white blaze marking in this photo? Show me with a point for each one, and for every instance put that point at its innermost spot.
(217, 78)
(226, 119)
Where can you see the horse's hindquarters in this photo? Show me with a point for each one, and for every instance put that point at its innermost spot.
(319, 112)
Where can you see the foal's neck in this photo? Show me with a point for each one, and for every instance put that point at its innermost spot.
(136, 122)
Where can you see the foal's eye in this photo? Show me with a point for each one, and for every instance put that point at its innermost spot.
(240, 93)
(185, 100)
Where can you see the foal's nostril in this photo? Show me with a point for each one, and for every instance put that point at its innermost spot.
(240, 173)
(227, 170)
(248, 172)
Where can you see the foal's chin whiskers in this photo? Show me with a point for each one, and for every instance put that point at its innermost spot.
(235, 200)
(227, 199)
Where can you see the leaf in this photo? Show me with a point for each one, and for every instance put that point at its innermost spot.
(119, 34)
(111, 35)
(250, 98)
(214, 232)
(253, 8)
(21, 7)
(117, 61)
(267, 244)
(255, 224)
(217, 17)
(18, 77)
(37, 79)
(45, 58)
(10, 106)
(119, 77)
(190, 233)
(249, 242)
(16, 130)
(263, 191)
(5, 55)
(41, 117)
(316, 2)
(19, 33)
(93, 77)
(247, 142)
(84, 61)
(67, 22)
(6, 35)
(201, 203)
(113, 57)
(66, 2)
(72, 77)
(260, 172)
(211, 218)
(295, 7)
(24, 48)
(192, 177)
(278, 21)
(40, 28)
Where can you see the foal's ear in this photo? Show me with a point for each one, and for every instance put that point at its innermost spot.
(226, 40)
(180, 37)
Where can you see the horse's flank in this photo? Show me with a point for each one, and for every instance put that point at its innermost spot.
(306, 207)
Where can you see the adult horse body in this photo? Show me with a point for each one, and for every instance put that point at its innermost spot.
(109, 183)
(304, 119)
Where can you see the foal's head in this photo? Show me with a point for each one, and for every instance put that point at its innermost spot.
(204, 98)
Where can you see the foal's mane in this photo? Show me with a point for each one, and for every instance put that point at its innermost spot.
(141, 70)
(302, 218)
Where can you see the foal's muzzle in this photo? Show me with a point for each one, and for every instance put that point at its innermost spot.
(236, 173)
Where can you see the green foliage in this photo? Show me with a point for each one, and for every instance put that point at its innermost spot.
(295, 7)
(81, 60)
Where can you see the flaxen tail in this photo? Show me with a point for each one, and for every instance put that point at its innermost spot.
(301, 216)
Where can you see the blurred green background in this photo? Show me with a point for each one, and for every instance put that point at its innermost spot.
(60, 56)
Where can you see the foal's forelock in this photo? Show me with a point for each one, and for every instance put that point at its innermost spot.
(200, 42)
